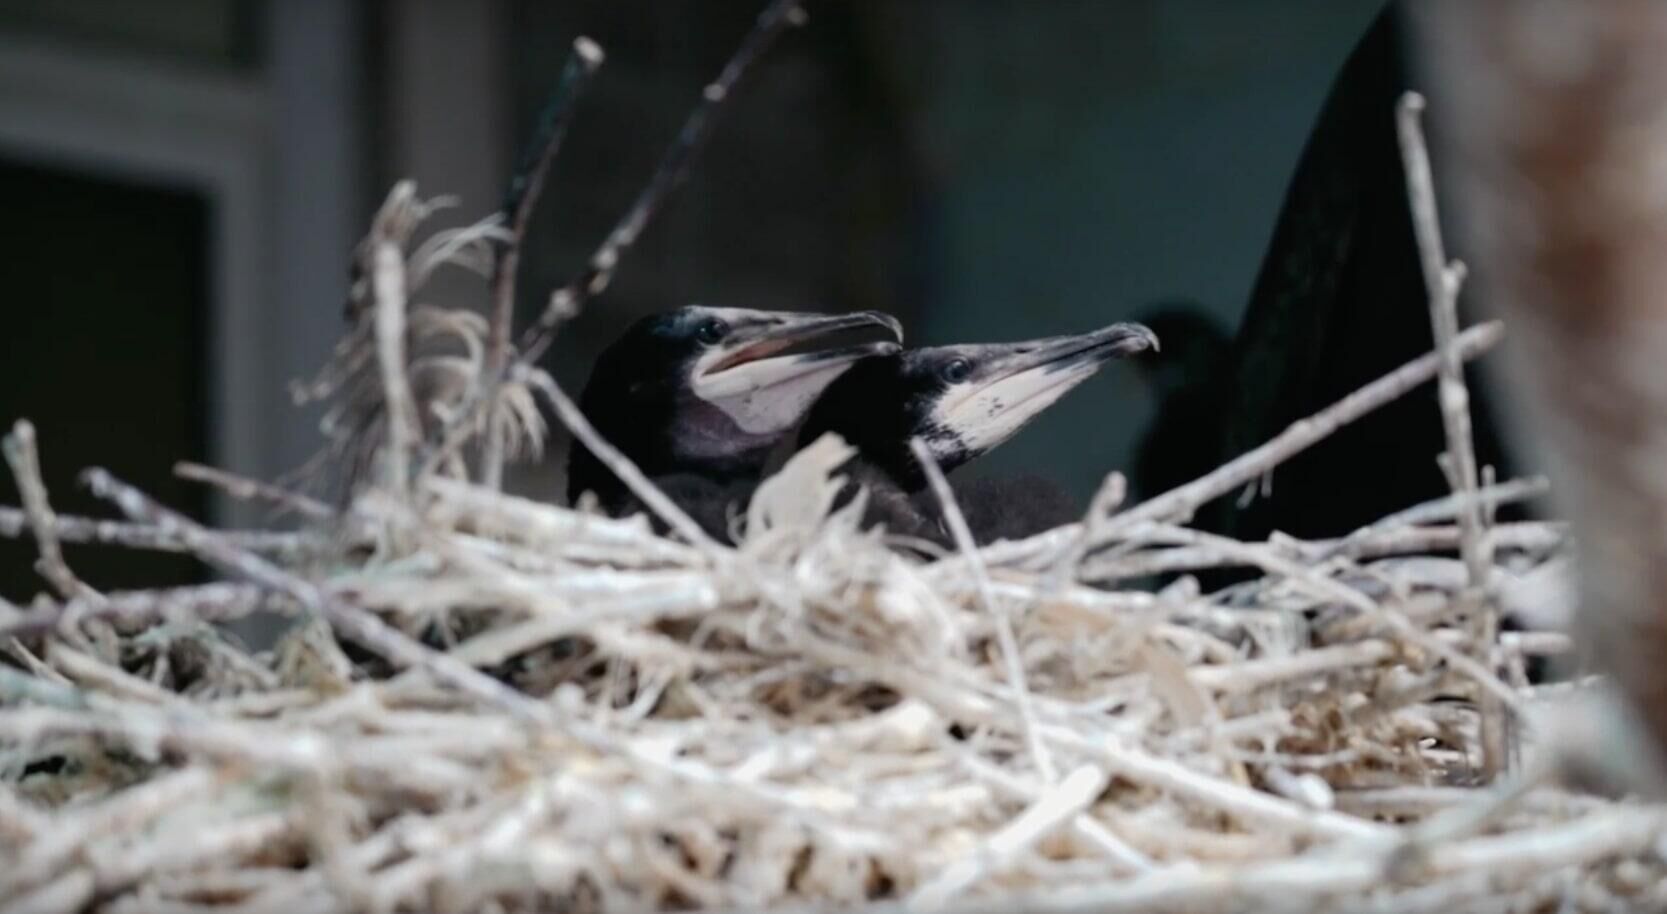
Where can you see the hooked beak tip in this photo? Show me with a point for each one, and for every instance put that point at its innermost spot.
(853, 354)
(1133, 338)
(816, 325)
(885, 320)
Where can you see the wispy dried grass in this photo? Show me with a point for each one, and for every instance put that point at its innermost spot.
(493, 704)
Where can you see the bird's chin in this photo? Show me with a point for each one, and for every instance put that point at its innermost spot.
(985, 417)
(772, 409)
(770, 396)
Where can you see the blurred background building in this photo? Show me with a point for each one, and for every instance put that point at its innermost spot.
(181, 182)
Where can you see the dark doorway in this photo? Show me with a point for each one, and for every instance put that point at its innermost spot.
(105, 319)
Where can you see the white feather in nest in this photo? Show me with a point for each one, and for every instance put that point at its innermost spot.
(796, 500)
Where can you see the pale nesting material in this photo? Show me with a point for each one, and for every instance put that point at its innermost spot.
(491, 703)
(810, 719)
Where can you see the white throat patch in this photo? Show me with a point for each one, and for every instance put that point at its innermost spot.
(767, 396)
(983, 415)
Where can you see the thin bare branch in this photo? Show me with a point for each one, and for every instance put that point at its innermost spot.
(1011, 658)
(673, 168)
(525, 187)
(620, 465)
(566, 301)
(1180, 503)
(71, 529)
(24, 458)
(136, 610)
(388, 285)
(247, 489)
(1443, 280)
(1444, 508)
(356, 623)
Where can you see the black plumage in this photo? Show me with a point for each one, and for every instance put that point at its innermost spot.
(1340, 301)
(1012, 507)
(699, 397)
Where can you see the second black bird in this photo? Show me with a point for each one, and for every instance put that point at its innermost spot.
(961, 401)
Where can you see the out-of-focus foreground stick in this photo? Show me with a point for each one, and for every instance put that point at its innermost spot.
(1553, 115)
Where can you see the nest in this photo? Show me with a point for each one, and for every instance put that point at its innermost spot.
(488, 703)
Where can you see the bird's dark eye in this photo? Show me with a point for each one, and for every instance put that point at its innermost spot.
(712, 331)
(956, 371)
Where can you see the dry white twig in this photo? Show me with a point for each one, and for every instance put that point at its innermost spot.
(1180, 503)
(620, 465)
(388, 285)
(1443, 280)
(998, 613)
(24, 458)
(1061, 804)
(525, 188)
(253, 489)
(358, 624)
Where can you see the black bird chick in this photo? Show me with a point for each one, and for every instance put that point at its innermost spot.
(701, 395)
(961, 401)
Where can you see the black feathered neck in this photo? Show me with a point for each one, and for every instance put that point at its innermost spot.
(876, 407)
(639, 397)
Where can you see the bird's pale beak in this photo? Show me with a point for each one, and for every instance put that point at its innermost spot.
(767, 333)
(765, 377)
(1012, 383)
